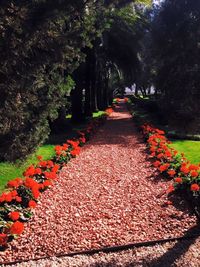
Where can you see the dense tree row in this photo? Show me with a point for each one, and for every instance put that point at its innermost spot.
(47, 49)
(61, 54)
(171, 61)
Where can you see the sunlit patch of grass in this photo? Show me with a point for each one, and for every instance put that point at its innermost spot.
(9, 171)
(191, 149)
(98, 114)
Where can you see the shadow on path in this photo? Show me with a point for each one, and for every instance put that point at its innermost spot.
(166, 260)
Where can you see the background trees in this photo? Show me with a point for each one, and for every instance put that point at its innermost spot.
(176, 48)
(80, 51)
(42, 43)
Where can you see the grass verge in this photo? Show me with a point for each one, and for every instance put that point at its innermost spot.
(191, 149)
(9, 171)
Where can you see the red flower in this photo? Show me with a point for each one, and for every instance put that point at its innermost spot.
(194, 187)
(109, 111)
(38, 171)
(184, 169)
(18, 199)
(178, 180)
(170, 189)
(36, 193)
(15, 183)
(65, 146)
(168, 154)
(47, 183)
(3, 239)
(39, 158)
(58, 153)
(50, 175)
(164, 167)
(75, 151)
(160, 131)
(175, 152)
(156, 163)
(17, 228)
(14, 215)
(161, 155)
(55, 168)
(74, 144)
(8, 197)
(169, 202)
(193, 167)
(32, 204)
(30, 171)
(171, 173)
(50, 164)
(58, 150)
(30, 183)
(194, 174)
(82, 140)
(42, 164)
(14, 193)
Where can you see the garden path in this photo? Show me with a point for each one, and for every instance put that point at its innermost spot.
(109, 195)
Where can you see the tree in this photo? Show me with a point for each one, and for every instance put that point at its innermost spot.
(176, 35)
(40, 40)
(42, 43)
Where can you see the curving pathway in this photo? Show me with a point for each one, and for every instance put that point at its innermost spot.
(109, 195)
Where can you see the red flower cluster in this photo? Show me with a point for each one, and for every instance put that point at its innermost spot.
(15, 183)
(168, 161)
(109, 111)
(22, 193)
(14, 215)
(10, 196)
(75, 148)
(3, 239)
(17, 228)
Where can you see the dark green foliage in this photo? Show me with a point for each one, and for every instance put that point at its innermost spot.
(40, 40)
(42, 43)
(176, 42)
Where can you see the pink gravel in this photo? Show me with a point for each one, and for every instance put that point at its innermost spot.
(109, 195)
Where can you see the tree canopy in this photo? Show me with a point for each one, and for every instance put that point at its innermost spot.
(42, 43)
(57, 54)
(175, 41)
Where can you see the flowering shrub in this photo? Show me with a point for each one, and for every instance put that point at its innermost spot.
(116, 100)
(21, 195)
(109, 111)
(186, 176)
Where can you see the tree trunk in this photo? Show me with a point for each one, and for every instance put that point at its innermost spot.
(77, 96)
(100, 89)
(88, 91)
(94, 82)
(106, 96)
(136, 90)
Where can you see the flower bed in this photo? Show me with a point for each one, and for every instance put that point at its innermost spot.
(184, 175)
(22, 194)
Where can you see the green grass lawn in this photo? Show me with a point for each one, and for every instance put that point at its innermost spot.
(191, 149)
(9, 171)
(98, 114)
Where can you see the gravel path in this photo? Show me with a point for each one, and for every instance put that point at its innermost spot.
(171, 254)
(109, 195)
